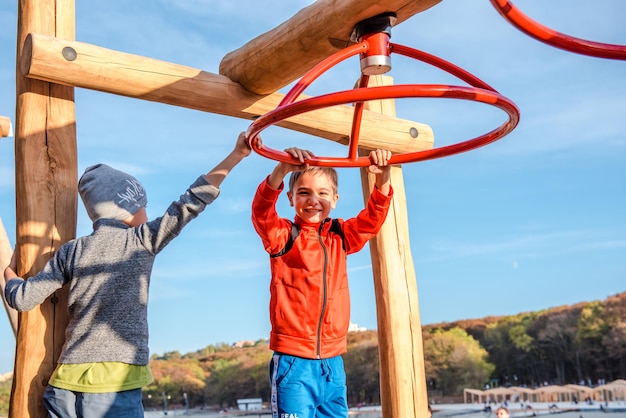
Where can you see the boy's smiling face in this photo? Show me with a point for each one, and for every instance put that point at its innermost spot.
(313, 196)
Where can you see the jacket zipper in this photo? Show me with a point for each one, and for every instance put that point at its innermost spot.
(321, 319)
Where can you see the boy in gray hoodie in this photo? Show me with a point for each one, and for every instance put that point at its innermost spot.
(105, 359)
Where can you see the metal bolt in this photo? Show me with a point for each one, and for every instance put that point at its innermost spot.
(69, 53)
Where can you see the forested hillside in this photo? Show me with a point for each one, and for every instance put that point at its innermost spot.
(582, 343)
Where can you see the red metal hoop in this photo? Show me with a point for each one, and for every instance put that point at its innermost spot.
(551, 37)
(480, 92)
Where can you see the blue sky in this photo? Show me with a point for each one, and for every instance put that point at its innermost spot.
(535, 220)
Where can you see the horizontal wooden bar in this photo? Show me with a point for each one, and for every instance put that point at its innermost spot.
(88, 66)
(274, 59)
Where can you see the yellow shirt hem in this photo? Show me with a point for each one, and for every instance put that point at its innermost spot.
(101, 377)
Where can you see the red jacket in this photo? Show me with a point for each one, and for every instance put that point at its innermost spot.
(309, 296)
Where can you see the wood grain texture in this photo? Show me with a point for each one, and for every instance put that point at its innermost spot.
(274, 59)
(101, 69)
(46, 203)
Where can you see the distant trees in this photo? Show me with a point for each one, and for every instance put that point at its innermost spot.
(454, 360)
(362, 364)
(174, 377)
(215, 375)
(584, 343)
(615, 343)
(5, 396)
(510, 346)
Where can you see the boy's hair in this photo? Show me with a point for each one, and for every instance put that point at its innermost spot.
(328, 171)
(110, 193)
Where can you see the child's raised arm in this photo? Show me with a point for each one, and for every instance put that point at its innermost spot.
(220, 171)
(380, 166)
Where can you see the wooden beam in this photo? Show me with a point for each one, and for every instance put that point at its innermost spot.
(5, 126)
(83, 65)
(402, 372)
(278, 57)
(46, 203)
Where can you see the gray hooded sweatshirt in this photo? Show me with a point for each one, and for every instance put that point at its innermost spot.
(108, 273)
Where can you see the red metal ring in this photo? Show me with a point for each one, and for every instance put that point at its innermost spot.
(480, 92)
(551, 37)
(387, 92)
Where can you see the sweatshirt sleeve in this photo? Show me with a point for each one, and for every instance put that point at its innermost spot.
(23, 295)
(158, 233)
(366, 225)
(272, 229)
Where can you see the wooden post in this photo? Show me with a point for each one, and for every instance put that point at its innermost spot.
(6, 251)
(83, 65)
(402, 374)
(46, 202)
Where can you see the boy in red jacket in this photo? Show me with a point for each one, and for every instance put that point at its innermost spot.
(309, 297)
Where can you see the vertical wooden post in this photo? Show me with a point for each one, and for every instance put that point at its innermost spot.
(402, 374)
(46, 201)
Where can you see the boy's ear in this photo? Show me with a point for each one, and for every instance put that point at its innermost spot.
(290, 196)
(333, 202)
(140, 217)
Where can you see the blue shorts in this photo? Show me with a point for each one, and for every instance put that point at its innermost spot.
(308, 388)
(62, 403)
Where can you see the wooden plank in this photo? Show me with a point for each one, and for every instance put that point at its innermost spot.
(276, 58)
(83, 65)
(402, 372)
(5, 126)
(46, 203)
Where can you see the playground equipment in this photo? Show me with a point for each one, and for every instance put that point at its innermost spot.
(51, 64)
(375, 50)
(559, 40)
